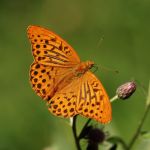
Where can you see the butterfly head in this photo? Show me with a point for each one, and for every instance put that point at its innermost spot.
(89, 64)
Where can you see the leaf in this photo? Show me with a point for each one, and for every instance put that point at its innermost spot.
(145, 135)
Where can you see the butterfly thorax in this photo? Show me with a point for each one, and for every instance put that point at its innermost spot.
(82, 67)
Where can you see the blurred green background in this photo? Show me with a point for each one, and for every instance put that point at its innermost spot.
(25, 123)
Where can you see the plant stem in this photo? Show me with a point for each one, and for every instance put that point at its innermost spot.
(75, 133)
(138, 130)
(85, 126)
(114, 98)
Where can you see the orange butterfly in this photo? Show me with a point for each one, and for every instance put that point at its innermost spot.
(58, 76)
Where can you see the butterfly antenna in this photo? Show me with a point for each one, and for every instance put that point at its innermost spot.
(100, 41)
(96, 68)
(107, 69)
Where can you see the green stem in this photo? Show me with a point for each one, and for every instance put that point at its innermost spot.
(114, 98)
(138, 130)
(85, 126)
(74, 130)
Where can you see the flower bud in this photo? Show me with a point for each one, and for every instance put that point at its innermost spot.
(95, 136)
(126, 90)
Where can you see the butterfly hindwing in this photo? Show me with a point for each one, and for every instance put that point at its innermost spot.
(93, 101)
(64, 102)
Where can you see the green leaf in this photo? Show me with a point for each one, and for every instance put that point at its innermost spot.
(145, 135)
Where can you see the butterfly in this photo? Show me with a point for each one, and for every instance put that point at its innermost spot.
(58, 76)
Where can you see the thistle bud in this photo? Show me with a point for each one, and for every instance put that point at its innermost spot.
(95, 136)
(126, 90)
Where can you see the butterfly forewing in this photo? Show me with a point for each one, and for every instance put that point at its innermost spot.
(49, 49)
(46, 80)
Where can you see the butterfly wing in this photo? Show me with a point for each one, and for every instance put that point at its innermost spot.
(50, 76)
(93, 101)
(85, 96)
(45, 79)
(53, 61)
(64, 102)
(49, 49)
